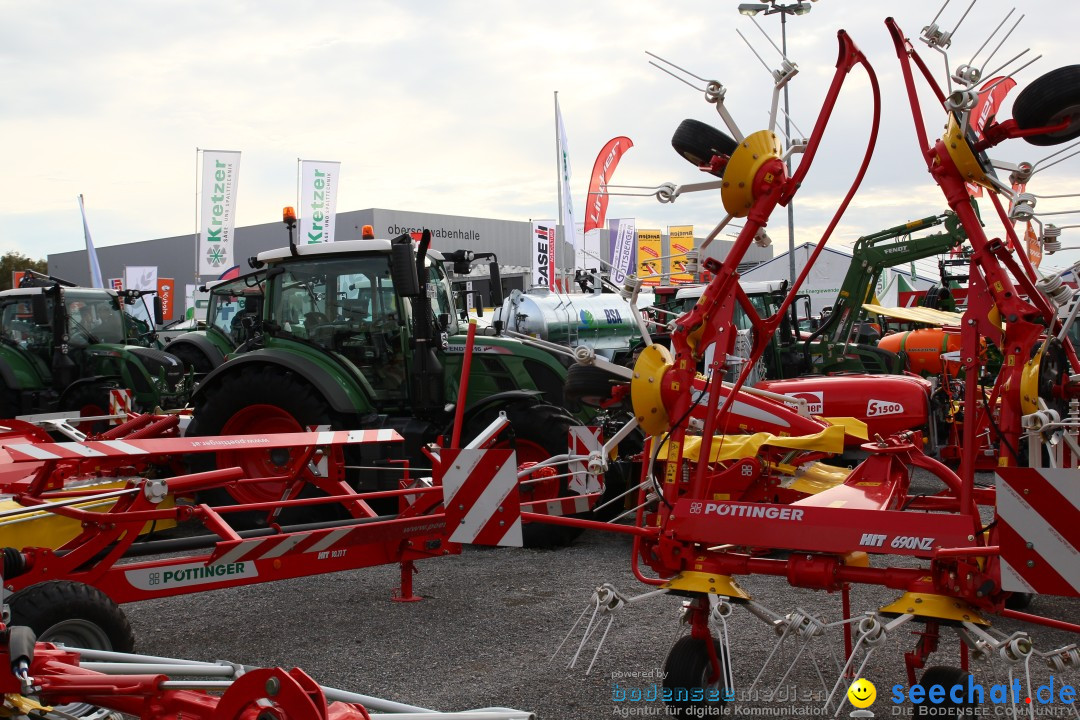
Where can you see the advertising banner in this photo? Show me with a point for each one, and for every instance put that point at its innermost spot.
(682, 242)
(650, 265)
(623, 249)
(116, 283)
(16, 277)
(602, 170)
(140, 277)
(543, 253)
(217, 210)
(165, 290)
(318, 200)
(569, 226)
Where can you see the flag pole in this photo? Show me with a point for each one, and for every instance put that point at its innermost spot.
(558, 186)
(196, 222)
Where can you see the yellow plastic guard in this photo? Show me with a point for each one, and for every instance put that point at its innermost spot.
(963, 156)
(652, 363)
(692, 581)
(735, 447)
(938, 607)
(737, 190)
(818, 477)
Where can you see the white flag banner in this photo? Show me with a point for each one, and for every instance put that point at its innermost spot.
(318, 200)
(141, 277)
(543, 253)
(217, 210)
(623, 248)
(569, 226)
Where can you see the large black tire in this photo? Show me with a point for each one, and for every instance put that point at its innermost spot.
(537, 432)
(1047, 101)
(258, 400)
(72, 613)
(89, 401)
(947, 677)
(192, 357)
(588, 385)
(698, 142)
(687, 669)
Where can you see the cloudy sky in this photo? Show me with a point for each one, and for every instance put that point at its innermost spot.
(448, 106)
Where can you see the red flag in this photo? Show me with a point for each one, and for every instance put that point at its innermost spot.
(602, 170)
(985, 110)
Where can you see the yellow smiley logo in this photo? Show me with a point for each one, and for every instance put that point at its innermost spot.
(862, 693)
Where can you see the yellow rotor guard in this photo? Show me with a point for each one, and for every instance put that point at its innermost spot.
(935, 607)
(692, 581)
(753, 152)
(962, 155)
(652, 363)
(1029, 382)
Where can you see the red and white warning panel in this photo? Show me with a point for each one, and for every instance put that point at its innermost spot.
(120, 403)
(26, 452)
(1039, 530)
(480, 493)
(584, 441)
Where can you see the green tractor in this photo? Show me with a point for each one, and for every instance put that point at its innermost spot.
(233, 314)
(63, 348)
(364, 334)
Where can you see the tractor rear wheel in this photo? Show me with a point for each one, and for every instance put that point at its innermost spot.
(258, 401)
(89, 401)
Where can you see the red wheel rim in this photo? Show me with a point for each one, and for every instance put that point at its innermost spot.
(530, 453)
(261, 420)
(92, 428)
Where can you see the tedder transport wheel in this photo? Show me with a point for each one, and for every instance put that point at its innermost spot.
(687, 672)
(698, 142)
(1048, 100)
(258, 401)
(947, 677)
(536, 432)
(588, 385)
(72, 613)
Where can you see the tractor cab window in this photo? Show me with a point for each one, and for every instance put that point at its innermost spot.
(94, 318)
(347, 306)
(17, 324)
(230, 304)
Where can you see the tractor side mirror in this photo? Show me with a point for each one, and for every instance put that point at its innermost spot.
(403, 268)
(496, 284)
(39, 309)
(479, 300)
(159, 312)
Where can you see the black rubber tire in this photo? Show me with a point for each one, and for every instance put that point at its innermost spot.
(545, 426)
(75, 614)
(698, 142)
(938, 297)
(237, 391)
(86, 396)
(192, 357)
(588, 385)
(947, 677)
(1019, 600)
(687, 668)
(1048, 100)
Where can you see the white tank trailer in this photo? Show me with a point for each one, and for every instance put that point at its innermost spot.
(602, 322)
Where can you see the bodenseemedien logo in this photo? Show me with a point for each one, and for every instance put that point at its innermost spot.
(862, 694)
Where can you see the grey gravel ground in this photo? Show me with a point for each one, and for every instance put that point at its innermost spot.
(489, 622)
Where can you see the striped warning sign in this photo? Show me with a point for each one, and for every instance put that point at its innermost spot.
(584, 440)
(480, 493)
(120, 402)
(1039, 530)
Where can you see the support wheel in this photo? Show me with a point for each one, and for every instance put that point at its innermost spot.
(258, 401)
(699, 142)
(72, 613)
(947, 677)
(1047, 101)
(688, 672)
